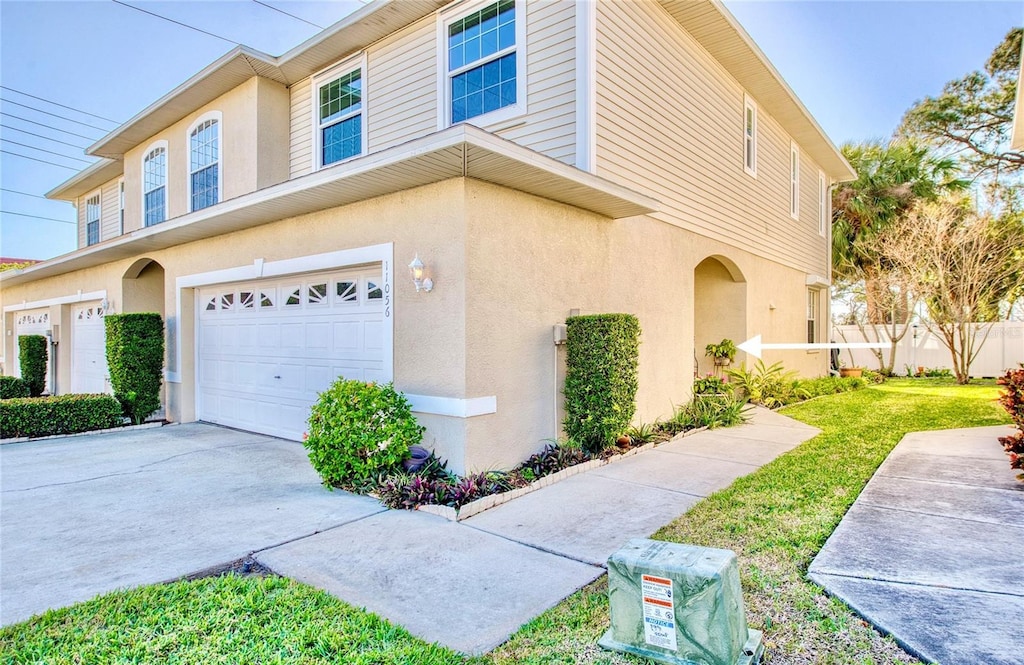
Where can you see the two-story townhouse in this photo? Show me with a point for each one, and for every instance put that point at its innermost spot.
(538, 157)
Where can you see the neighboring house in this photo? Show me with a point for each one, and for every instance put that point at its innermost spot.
(539, 157)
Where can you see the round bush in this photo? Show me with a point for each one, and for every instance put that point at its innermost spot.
(359, 431)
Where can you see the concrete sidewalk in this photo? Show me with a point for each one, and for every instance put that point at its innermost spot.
(930, 550)
(470, 585)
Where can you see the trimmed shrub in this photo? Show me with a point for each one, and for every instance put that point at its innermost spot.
(32, 355)
(61, 414)
(601, 377)
(135, 358)
(12, 387)
(358, 432)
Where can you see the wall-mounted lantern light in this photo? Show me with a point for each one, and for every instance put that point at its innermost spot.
(416, 270)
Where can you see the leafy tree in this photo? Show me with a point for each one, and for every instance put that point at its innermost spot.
(973, 117)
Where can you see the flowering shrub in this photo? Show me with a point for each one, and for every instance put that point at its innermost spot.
(358, 432)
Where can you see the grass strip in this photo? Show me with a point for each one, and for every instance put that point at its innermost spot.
(776, 520)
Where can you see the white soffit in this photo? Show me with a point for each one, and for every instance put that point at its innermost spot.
(87, 180)
(460, 151)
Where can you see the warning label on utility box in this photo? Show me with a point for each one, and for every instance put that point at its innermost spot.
(659, 612)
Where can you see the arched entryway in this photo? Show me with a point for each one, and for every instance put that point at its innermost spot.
(142, 287)
(719, 307)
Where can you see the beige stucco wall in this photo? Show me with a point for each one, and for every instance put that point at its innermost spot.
(254, 130)
(506, 268)
(531, 261)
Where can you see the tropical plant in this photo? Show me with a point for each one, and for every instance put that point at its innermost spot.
(724, 350)
(710, 385)
(768, 385)
(710, 412)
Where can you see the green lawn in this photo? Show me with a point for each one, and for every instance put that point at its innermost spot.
(775, 519)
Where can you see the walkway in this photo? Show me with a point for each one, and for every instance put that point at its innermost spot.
(930, 551)
(86, 515)
(470, 585)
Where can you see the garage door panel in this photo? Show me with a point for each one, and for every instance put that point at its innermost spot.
(262, 364)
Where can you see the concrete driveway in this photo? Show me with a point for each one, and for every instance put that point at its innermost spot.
(86, 515)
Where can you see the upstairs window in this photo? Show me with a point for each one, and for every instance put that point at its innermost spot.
(484, 62)
(794, 181)
(749, 136)
(340, 117)
(92, 220)
(154, 186)
(204, 164)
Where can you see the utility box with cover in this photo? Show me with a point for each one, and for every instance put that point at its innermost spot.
(678, 604)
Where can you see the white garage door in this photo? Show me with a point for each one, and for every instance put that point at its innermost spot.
(30, 322)
(89, 350)
(267, 348)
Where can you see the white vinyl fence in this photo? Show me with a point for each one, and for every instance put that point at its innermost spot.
(1002, 349)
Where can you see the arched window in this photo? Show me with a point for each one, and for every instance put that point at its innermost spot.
(154, 186)
(204, 164)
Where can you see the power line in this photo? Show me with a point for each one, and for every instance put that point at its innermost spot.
(32, 147)
(14, 191)
(171, 20)
(18, 117)
(299, 18)
(79, 122)
(42, 136)
(64, 106)
(21, 214)
(35, 159)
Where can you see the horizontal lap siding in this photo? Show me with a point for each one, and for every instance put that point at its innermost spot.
(550, 127)
(301, 159)
(669, 124)
(110, 213)
(402, 86)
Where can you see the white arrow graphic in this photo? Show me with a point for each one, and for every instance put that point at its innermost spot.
(754, 346)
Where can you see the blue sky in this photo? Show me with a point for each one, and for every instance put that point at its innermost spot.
(857, 66)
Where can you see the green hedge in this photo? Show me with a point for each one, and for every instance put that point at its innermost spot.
(62, 414)
(135, 359)
(359, 431)
(32, 354)
(601, 377)
(12, 386)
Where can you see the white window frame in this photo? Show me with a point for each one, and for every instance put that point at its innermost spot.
(98, 195)
(444, 77)
(142, 163)
(749, 149)
(794, 180)
(823, 204)
(219, 117)
(120, 205)
(324, 77)
(814, 314)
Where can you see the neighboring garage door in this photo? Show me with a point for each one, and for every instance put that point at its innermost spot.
(267, 348)
(88, 350)
(30, 322)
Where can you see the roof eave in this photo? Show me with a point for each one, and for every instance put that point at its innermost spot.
(87, 180)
